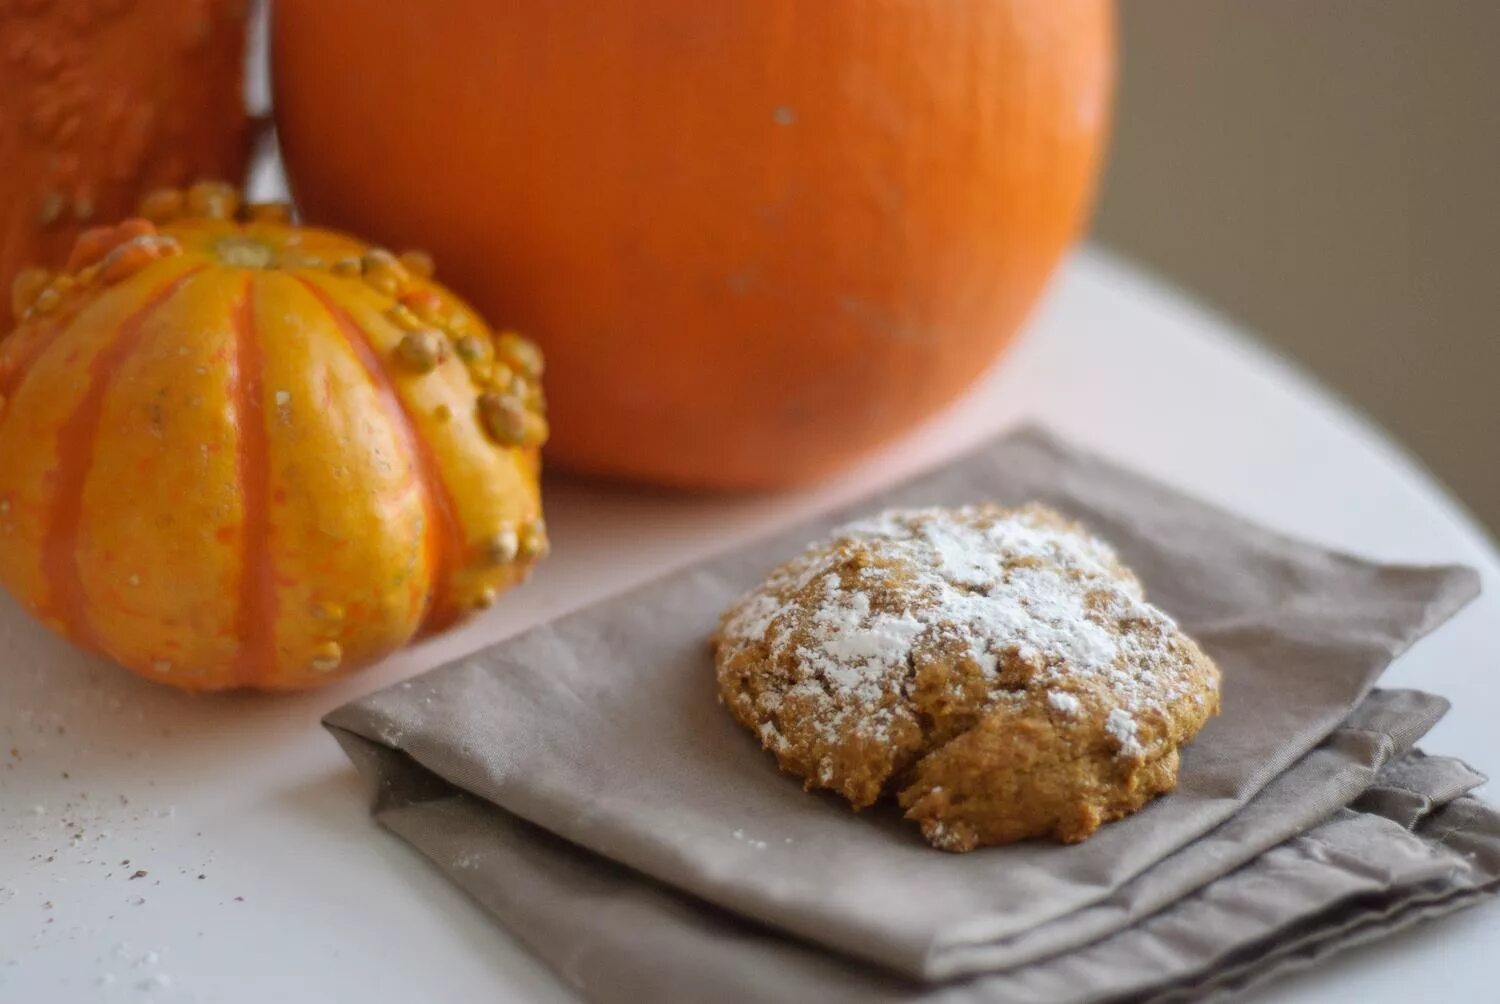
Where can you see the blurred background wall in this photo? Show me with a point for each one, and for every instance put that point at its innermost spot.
(1327, 173)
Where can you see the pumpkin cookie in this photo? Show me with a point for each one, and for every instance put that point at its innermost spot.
(997, 670)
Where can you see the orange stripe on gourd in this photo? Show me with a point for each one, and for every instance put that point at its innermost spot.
(445, 536)
(66, 601)
(256, 624)
(161, 575)
(43, 397)
(348, 516)
(488, 487)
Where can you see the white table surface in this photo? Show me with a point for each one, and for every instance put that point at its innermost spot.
(264, 878)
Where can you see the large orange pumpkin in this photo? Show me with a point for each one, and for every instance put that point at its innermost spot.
(101, 100)
(234, 452)
(754, 237)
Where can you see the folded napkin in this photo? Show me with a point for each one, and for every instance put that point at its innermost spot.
(581, 781)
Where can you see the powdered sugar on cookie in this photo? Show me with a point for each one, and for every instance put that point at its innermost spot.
(995, 584)
(998, 670)
(1064, 702)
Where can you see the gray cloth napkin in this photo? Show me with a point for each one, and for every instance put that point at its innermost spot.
(602, 729)
(1406, 850)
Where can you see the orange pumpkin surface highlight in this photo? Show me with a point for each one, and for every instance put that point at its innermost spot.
(754, 237)
(101, 100)
(239, 453)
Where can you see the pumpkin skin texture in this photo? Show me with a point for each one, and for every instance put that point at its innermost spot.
(755, 237)
(239, 453)
(101, 100)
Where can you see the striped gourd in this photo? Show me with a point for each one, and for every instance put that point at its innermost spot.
(235, 452)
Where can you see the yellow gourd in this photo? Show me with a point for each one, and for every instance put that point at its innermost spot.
(235, 452)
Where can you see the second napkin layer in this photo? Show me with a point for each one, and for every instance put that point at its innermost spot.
(1410, 846)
